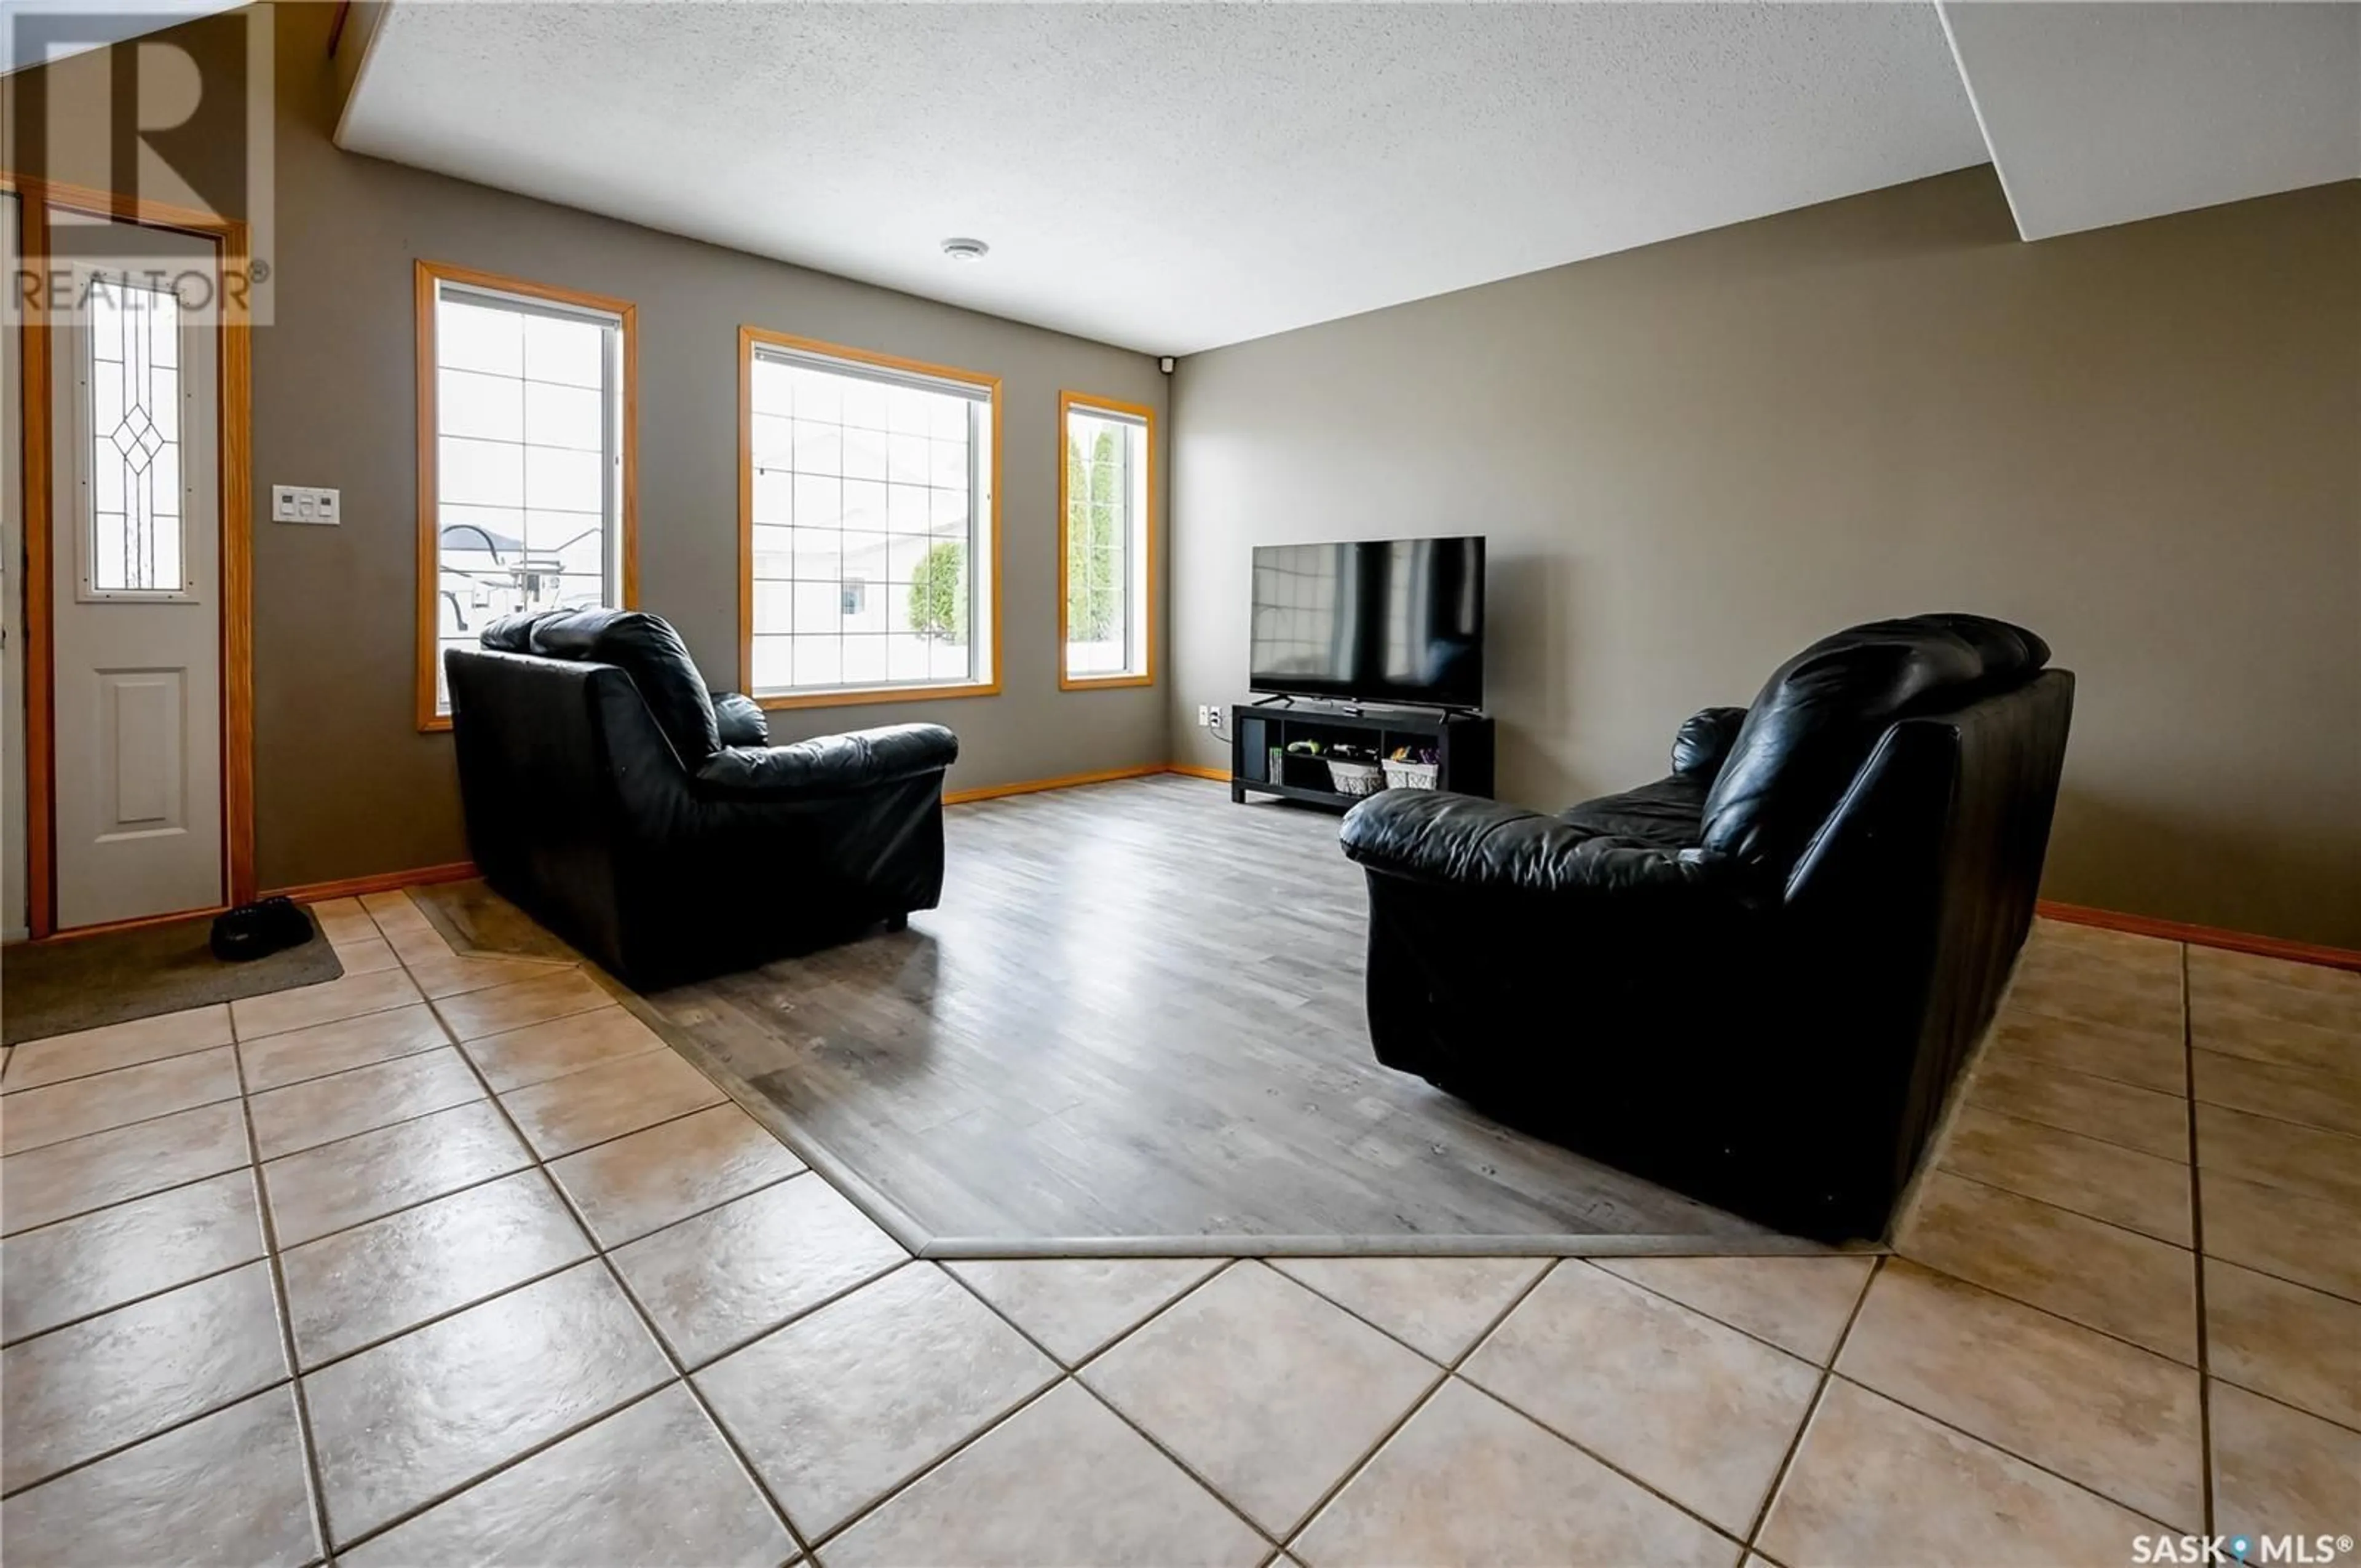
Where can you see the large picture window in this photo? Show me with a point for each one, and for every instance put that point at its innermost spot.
(1106, 543)
(869, 525)
(525, 463)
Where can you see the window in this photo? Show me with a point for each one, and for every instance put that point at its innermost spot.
(1106, 543)
(870, 526)
(524, 477)
(133, 397)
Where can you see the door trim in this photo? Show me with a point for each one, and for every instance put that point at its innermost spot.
(35, 199)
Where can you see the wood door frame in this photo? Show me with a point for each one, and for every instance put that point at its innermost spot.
(233, 388)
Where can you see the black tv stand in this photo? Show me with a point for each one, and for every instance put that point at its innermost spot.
(1462, 741)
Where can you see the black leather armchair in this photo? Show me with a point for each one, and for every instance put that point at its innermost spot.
(651, 824)
(1754, 980)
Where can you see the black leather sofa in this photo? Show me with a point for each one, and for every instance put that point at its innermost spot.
(654, 825)
(1754, 980)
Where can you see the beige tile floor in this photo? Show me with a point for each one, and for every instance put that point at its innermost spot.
(453, 1260)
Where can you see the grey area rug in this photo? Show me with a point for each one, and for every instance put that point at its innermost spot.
(87, 982)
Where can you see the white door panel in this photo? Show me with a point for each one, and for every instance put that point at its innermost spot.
(143, 759)
(137, 617)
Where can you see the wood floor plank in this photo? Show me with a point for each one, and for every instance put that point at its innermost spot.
(1138, 1013)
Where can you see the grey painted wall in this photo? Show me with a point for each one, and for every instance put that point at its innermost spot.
(1693, 459)
(344, 784)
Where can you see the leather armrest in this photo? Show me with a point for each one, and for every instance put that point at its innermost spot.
(741, 718)
(828, 764)
(1703, 744)
(1436, 836)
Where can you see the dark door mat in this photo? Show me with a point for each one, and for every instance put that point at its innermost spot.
(475, 919)
(87, 982)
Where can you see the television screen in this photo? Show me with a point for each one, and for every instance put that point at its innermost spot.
(1378, 620)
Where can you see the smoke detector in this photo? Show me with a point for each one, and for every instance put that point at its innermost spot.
(962, 249)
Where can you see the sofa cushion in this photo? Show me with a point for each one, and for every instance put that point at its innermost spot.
(643, 647)
(1703, 744)
(741, 719)
(1822, 711)
(1665, 814)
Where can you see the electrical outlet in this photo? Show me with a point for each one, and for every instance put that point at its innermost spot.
(304, 503)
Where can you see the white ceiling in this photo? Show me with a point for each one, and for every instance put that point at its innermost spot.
(1176, 177)
(1170, 177)
(2103, 113)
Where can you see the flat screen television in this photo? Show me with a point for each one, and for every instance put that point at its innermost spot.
(1397, 621)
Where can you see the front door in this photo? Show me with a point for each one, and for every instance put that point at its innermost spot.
(136, 606)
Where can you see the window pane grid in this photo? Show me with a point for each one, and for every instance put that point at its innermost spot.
(867, 501)
(528, 471)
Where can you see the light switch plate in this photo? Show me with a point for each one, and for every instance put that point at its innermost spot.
(305, 503)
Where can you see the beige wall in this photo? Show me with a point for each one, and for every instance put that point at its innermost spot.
(344, 784)
(1692, 459)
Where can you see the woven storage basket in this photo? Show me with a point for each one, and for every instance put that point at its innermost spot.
(1413, 775)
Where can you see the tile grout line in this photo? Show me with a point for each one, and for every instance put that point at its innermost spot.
(135, 1121)
(2052, 1311)
(2283, 1403)
(1066, 1375)
(464, 1104)
(2269, 1116)
(10, 1093)
(1951, 1425)
(1450, 1374)
(145, 1296)
(134, 1197)
(328, 1541)
(1811, 1408)
(601, 1254)
(1968, 1103)
(177, 1424)
(1614, 1466)
(460, 1488)
(314, 1478)
(1347, 1308)
(1874, 1259)
(2197, 1257)
(540, 1167)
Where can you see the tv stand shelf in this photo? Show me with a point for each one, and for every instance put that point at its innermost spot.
(1461, 741)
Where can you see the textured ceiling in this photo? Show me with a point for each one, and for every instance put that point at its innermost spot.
(2103, 113)
(1170, 177)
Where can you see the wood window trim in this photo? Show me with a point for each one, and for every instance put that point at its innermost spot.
(1145, 676)
(428, 278)
(35, 199)
(750, 338)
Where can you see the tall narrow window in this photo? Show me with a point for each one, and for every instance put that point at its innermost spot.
(133, 548)
(525, 471)
(1106, 543)
(869, 525)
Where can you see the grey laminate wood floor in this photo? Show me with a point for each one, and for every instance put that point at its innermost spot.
(1138, 1014)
